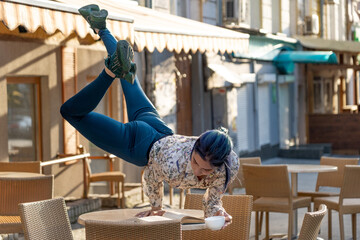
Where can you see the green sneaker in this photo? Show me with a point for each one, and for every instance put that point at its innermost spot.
(120, 62)
(94, 16)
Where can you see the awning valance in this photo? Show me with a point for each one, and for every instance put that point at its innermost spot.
(41, 19)
(158, 30)
(284, 56)
(330, 45)
(285, 60)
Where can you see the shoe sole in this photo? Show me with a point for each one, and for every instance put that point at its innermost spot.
(125, 55)
(86, 10)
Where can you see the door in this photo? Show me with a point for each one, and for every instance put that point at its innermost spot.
(183, 94)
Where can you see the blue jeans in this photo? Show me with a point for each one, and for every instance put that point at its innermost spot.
(130, 141)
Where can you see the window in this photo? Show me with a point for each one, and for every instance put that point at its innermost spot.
(24, 141)
(230, 9)
(323, 95)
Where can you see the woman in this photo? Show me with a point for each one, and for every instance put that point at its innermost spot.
(184, 162)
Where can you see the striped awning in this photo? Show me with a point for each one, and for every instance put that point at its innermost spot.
(42, 19)
(158, 30)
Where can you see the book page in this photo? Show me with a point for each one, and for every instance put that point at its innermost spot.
(183, 218)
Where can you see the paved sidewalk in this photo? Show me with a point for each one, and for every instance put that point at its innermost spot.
(278, 221)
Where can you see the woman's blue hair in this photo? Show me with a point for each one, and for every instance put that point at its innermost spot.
(215, 146)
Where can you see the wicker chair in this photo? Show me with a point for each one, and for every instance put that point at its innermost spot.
(272, 193)
(20, 190)
(238, 206)
(33, 167)
(311, 224)
(45, 219)
(240, 183)
(130, 230)
(348, 202)
(330, 179)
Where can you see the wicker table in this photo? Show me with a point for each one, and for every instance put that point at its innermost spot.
(14, 175)
(20, 187)
(126, 214)
(294, 169)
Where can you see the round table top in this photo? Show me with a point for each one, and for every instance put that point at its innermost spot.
(12, 175)
(129, 213)
(310, 168)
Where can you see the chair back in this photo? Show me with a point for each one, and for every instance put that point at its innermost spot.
(351, 183)
(239, 181)
(334, 179)
(193, 201)
(47, 219)
(132, 230)
(267, 181)
(33, 167)
(24, 189)
(311, 224)
(238, 206)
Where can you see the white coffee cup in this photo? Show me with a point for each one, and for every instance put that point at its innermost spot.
(215, 222)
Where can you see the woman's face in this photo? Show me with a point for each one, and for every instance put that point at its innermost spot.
(200, 167)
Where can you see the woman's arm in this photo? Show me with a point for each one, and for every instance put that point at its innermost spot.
(213, 204)
(153, 189)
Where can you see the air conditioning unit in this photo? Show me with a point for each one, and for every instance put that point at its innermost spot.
(312, 25)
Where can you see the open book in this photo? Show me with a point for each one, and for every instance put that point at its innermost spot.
(173, 215)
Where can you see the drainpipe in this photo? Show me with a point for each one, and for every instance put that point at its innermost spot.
(321, 18)
(220, 6)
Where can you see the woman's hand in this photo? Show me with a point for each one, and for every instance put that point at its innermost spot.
(152, 212)
(228, 217)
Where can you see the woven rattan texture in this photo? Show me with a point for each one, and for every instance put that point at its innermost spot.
(311, 224)
(44, 220)
(239, 181)
(130, 230)
(20, 190)
(33, 167)
(330, 179)
(238, 206)
(348, 202)
(270, 187)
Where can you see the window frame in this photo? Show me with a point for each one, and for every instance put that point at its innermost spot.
(38, 115)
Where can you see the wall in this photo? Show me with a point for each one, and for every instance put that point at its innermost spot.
(33, 59)
(342, 130)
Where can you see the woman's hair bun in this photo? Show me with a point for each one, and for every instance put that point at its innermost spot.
(224, 130)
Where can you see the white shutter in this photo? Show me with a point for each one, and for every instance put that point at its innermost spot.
(245, 119)
(264, 114)
(242, 120)
(284, 114)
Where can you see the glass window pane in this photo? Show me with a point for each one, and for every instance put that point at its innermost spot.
(21, 121)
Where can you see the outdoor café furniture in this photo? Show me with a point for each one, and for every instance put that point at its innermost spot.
(33, 167)
(270, 186)
(130, 230)
(47, 219)
(239, 181)
(20, 187)
(128, 214)
(330, 179)
(110, 176)
(294, 170)
(348, 202)
(238, 206)
(116, 177)
(311, 224)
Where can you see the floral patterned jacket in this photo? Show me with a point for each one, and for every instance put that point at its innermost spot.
(169, 160)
